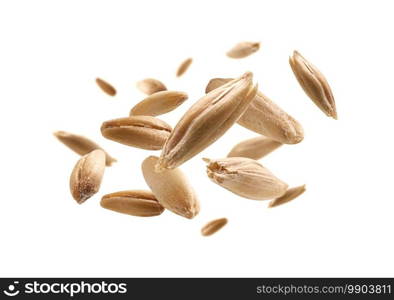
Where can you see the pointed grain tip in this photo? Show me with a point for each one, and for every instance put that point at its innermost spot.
(58, 133)
(298, 138)
(334, 115)
(207, 160)
(247, 75)
(111, 161)
(190, 214)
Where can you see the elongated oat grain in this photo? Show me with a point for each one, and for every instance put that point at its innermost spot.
(254, 148)
(263, 116)
(245, 177)
(143, 132)
(184, 67)
(159, 103)
(243, 49)
(81, 145)
(133, 202)
(106, 87)
(314, 84)
(171, 188)
(206, 121)
(213, 226)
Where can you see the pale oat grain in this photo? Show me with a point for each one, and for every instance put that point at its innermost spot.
(86, 176)
(171, 188)
(159, 103)
(243, 49)
(245, 177)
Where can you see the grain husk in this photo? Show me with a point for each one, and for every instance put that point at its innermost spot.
(254, 148)
(81, 145)
(184, 66)
(143, 132)
(159, 103)
(314, 84)
(150, 86)
(206, 121)
(243, 49)
(138, 203)
(290, 195)
(264, 117)
(213, 226)
(106, 87)
(171, 188)
(86, 176)
(245, 177)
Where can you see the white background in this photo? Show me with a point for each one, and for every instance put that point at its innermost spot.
(50, 54)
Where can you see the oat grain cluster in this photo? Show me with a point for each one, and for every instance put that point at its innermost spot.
(227, 102)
